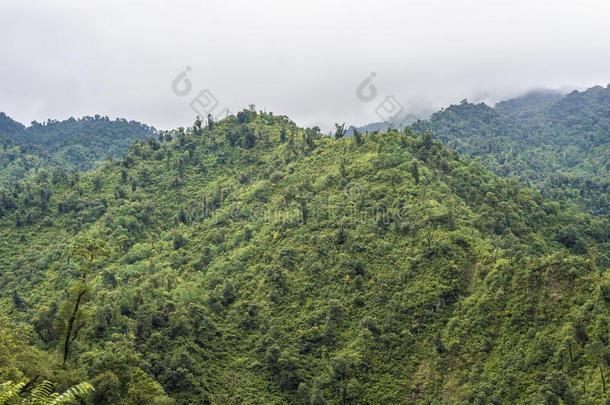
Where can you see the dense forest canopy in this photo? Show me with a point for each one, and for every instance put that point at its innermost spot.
(9, 125)
(74, 144)
(557, 144)
(253, 261)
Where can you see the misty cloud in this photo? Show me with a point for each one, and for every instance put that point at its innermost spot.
(304, 59)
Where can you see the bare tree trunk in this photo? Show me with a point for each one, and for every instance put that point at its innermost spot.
(69, 340)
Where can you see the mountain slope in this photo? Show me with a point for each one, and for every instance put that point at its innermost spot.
(73, 144)
(9, 126)
(529, 105)
(256, 262)
(560, 146)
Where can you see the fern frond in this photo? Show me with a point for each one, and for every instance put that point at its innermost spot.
(41, 393)
(9, 390)
(71, 394)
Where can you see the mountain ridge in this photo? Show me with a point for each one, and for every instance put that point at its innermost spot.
(557, 145)
(72, 144)
(249, 260)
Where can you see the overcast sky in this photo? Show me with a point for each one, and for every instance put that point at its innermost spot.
(304, 59)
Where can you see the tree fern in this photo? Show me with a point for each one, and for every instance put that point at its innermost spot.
(71, 394)
(42, 394)
(9, 391)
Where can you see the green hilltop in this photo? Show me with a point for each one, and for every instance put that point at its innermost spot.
(73, 144)
(251, 261)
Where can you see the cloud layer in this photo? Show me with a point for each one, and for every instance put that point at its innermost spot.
(304, 59)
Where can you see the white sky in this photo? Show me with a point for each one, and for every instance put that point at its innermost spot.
(303, 59)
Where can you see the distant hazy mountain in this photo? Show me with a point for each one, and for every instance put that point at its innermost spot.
(383, 126)
(9, 126)
(557, 143)
(529, 105)
(73, 144)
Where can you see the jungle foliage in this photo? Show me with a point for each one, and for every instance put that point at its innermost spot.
(252, 261)
(557, 144)
(69, 145)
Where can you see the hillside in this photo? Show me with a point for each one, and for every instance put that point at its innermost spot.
(529, 105)
(9, 125)
(252, 261)
(74, 144)
(557, 144)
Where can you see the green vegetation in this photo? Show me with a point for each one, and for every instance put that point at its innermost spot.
(12, 393)
(73, 144)
(559, 145)
(252, 261)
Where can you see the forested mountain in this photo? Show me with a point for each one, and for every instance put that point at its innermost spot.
(74, 144)
(383, 126)
(252, 261)
(557, 144)
(530, 105)
(9, 125)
